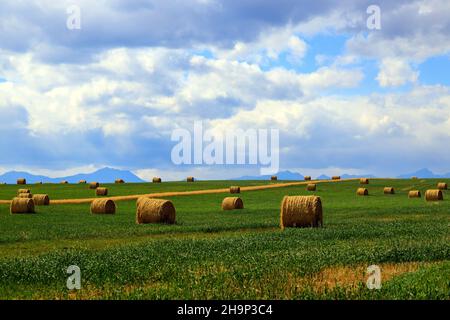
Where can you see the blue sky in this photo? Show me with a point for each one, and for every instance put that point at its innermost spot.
(344, 98)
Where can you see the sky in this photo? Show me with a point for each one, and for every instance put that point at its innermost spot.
(345, 98)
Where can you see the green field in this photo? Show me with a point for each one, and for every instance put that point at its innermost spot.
(213, 254)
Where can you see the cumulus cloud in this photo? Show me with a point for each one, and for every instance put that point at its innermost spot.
(267, 47)
(129, 98)
(396, 72)
(144, 23)
(415, 30)
(386, 129)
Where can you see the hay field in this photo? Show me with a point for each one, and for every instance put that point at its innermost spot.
(214, 254)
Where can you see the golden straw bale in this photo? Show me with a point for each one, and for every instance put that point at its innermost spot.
(362, 192)
(307, 178)
(64, 182)
(41, 200)
(388, 190)
(301, 211)
(82, 182)
(156, 180)
(434, 195)
(103, 206)
(21, 181)
(235, 189)
(22, 205)
(23, 191)
(190, 179)
(154, 211)
(25, 195)
(442, 186)
(94, 185)
(311, 187)
(101, 191)
(364, 181)
(273, 178)
(336, 178)
(414, 194)
(119, 181)
(231, 203)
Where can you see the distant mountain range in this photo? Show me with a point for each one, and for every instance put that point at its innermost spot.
(109, 175)
(282, 175)
(424, 173)
(289, 175)
(105, 175)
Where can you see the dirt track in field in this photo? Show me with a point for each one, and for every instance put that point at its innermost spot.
(187, 193)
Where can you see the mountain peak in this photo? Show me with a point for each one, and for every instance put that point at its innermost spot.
(423, 173)
(105, 175)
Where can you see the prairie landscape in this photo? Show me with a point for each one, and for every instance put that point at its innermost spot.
(204, 150)
(209, 253)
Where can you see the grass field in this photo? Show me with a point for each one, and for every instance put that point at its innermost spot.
(210, 253)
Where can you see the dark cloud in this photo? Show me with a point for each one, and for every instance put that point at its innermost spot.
(41, 26)
(172, 24)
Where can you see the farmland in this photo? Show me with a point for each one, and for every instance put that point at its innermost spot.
(241, 254)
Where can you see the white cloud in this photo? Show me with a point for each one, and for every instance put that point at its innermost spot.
(331, 77)
(413, 31)
(341, 129)
(396, 72)
(267, 47)
(335, 21)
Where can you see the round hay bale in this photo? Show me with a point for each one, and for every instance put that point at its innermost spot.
(235, 189)
(414, 178)
(21, 181)
(64, 182)
(25, 195)
(41, 200)
(336, 178)
(190, 179)
(154, 211)
(23, 191)
(22, 205)
(311, 187)
(434, 195)
(273, 178)
(103, 206)
(362, 192)
(364, 181)
(442, 186)
(156, 180)
(232, 203)
(388, 190)
(82, 182)
(301, 211)
(94, 185)
(119, 181)
(101, 191)
(414, 194)
(307, 178)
